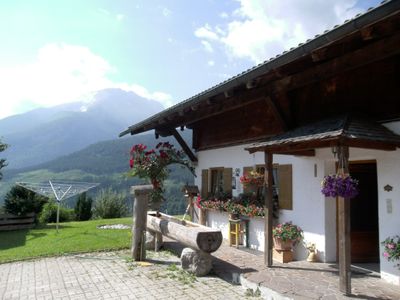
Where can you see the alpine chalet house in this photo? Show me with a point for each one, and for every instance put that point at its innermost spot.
(328, 103)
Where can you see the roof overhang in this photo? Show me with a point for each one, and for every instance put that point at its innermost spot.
(352, 131)
(219, 98)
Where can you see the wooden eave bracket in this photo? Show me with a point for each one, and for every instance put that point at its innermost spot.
(180, 140)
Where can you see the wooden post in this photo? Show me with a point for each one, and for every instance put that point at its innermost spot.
(202, 216)
(191, 207)
(141, 196)
(268, 244)
(344, 227)
(158, 240)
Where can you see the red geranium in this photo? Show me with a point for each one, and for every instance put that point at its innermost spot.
(152, 165)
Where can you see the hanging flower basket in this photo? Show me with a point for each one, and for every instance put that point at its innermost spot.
(339, 186)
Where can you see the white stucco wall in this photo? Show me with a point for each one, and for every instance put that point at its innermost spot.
(216, 219)
(314, 213)
(306, 192)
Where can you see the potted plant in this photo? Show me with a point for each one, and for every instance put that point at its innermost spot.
(286, 235)
(392, 249)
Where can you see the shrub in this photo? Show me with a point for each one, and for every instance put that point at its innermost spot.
(83, 208)
(392, 249)
(110, 204)
(49, 213)
(20, 201)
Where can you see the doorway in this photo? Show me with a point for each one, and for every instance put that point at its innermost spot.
(364, 213)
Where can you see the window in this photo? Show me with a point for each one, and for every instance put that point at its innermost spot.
(216, 182)
(282, 183)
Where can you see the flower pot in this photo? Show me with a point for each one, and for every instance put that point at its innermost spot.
(234, 216)
(280, 244)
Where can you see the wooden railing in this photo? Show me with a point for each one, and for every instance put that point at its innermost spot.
(13, 222)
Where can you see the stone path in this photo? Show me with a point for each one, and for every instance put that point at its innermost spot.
(296, 280)
(300, 279)
(108, 276)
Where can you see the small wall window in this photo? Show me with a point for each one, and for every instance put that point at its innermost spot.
(282, 183)
(216, 182)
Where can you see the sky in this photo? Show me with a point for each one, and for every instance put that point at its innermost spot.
(55, 52)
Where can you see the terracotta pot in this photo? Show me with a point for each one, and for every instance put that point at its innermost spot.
(279, 244)
(235, 216)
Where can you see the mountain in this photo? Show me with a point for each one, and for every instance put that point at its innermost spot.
(46, 133)
(104, 162)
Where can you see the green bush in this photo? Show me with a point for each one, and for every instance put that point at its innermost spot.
(49, 213)
(110, 204)
(83, 208)
(20, 201)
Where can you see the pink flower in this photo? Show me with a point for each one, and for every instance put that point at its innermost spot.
(131, 163)
(198, 200)
(385, 254)
(391, 246)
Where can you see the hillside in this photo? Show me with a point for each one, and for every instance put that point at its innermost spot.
(103, 162)
(44, 134)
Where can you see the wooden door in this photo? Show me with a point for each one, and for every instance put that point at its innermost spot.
(364, 214)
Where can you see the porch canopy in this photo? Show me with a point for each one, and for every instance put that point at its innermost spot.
(340, 132)
(344, 130)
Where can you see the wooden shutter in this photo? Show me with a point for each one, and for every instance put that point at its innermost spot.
(247, 189)
(204, 184)
(227, 178)
(285, 187)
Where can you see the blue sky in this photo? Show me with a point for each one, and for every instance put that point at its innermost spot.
(61, 51)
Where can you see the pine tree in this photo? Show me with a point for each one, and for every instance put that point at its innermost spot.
(2, 161)
(83, 208)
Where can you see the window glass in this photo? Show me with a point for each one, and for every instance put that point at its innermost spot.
(217, 182)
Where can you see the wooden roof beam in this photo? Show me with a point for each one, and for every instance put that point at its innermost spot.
(374, 52)
(184, 146)
(164, 132)
(277, 112)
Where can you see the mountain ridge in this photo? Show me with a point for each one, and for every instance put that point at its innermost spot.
(44, 134)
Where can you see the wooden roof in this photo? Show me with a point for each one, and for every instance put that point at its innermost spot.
(369, 40)
(354, 131)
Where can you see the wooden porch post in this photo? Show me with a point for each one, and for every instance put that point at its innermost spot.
(344, 228)
(268, 210)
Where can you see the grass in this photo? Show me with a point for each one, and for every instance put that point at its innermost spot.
(73, 237)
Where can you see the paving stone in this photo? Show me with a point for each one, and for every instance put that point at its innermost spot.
(104, 276)
(313, 280)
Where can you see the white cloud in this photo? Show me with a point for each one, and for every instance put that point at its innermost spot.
(61, 73)
(224, 15)
(261, 29)
(161, 97)
(120, 17)
(166, 12)
(206, 32)
(207, 46)
(211, 63)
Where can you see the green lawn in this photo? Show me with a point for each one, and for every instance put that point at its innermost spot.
(73, 237)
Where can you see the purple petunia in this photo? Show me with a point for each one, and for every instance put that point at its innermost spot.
(339, 186)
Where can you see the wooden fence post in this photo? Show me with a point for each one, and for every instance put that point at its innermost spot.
(141, 195)
(202, 216)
